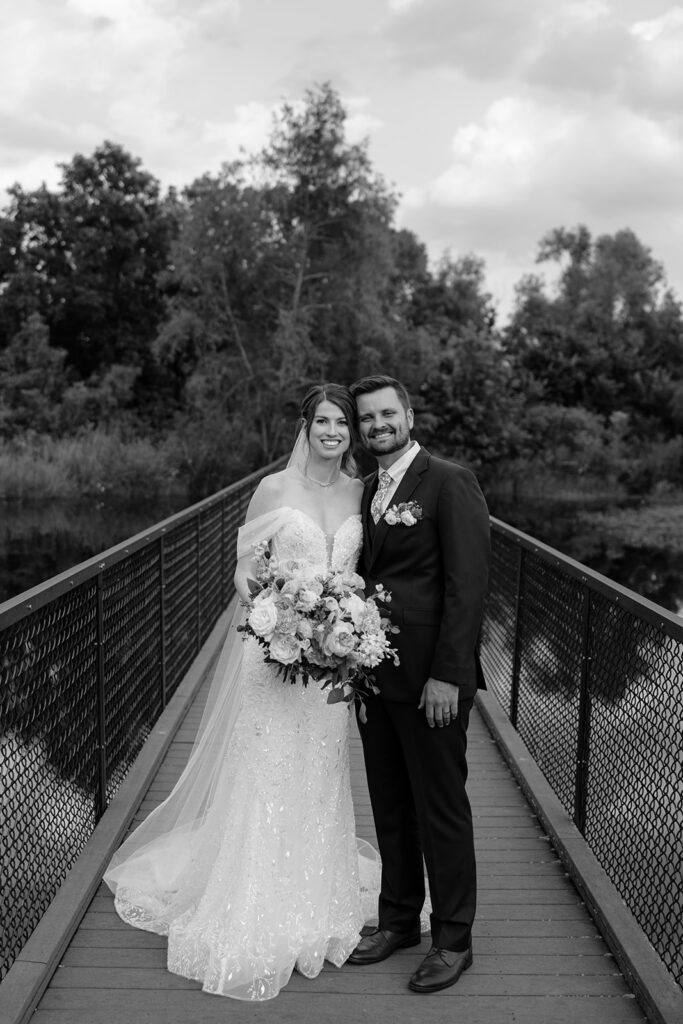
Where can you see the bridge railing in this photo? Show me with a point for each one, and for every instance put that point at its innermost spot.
(591, 676)
(88, 661)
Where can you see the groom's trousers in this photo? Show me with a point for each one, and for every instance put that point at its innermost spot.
(416, 778)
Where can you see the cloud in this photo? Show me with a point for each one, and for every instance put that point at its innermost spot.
(81, 71)
(360, 124)
(485, 39)
(528, 166)
(398, 6)
(585, 48)
(248, 132)
(657, 79)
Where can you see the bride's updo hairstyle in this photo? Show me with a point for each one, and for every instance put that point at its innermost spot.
(340, 396)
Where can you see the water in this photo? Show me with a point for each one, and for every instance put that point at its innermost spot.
(650, 571)
(40, 540)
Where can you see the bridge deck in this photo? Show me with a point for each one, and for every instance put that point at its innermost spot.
(538, 956)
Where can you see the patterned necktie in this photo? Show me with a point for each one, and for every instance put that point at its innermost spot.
(380, 494)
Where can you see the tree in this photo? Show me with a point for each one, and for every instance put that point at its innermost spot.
(284, 272)
(453, 297)
(470, 405)
(610, 339)
(86, 258)
(32, 380)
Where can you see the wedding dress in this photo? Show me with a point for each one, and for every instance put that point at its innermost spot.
(251, 866)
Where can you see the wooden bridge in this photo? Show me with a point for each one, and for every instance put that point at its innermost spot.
(554, 941)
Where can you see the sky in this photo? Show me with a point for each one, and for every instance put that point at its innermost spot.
(494, 120)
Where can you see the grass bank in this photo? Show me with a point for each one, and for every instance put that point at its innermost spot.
(94, 463)
(654, 524)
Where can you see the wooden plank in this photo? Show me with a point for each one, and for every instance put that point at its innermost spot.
(587, 948)
(136, 968)
(204, 1009)
(538, 958)
(161, 990)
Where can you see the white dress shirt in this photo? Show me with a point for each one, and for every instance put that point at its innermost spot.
(397, 471)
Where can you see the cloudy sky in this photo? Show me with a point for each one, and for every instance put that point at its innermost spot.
(495, 120)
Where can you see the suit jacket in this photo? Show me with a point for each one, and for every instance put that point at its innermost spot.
(437, 573)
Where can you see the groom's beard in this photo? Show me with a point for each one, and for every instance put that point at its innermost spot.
(388, 442)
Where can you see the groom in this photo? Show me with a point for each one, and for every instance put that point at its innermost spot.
(426, 540)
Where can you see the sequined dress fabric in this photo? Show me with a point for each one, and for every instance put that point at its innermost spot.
(275, 882)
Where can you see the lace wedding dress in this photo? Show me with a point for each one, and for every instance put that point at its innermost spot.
(265, 876)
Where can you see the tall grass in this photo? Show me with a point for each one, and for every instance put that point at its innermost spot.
(92, 463)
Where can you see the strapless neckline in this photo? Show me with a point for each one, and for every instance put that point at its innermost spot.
(329, 536)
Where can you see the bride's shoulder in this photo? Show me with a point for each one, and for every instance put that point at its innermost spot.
(269, 494)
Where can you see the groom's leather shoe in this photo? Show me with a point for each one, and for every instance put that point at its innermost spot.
(380, 944)
(441, 968)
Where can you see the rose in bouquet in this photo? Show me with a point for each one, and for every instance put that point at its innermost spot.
(316, 626)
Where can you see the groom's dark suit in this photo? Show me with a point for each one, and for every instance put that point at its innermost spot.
(436, 571)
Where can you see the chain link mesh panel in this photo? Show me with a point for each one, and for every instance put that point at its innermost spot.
(48, 756)
(634, 814)
(210, 569)
(600, 696)
(550, 644)
(82, 680)
(181, 601)
(500, 622)
(131, 650)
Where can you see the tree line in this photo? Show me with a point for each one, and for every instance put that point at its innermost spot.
(193, 318)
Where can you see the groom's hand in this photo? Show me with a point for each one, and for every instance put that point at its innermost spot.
(440, 701)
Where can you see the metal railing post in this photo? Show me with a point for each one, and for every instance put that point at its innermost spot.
(101, 711)
(199, 582)
(583, 728)
(162, 618)
(223, 579)
(517, 648)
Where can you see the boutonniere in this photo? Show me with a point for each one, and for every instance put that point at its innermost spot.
(407, 513)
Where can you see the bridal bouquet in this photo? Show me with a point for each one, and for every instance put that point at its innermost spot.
(315, 626)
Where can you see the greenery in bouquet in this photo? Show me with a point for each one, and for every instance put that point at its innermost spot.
(317, 626)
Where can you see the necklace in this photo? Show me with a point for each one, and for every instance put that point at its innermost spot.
(326, 483)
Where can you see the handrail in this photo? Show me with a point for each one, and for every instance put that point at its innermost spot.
(29, 601)
(591, 676)
(646, 609)
(88, 661)
(589, 673)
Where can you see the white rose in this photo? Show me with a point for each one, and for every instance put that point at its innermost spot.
(340, 640)
(391, 518)
(354, 581)
(372, 622)
(305, 629)
(407, 518)
(285, 649)
(287, 620)
(355, 607)
(262, 617)
(306, 599)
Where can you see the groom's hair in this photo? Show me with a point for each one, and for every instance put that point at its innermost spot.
(366, 385)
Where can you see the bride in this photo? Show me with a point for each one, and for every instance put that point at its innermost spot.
(251, 866)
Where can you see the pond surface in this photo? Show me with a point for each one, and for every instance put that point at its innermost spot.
(38, 541)
(651, 571)
(41, 540)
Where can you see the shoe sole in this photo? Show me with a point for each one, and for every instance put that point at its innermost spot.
(406, 944)
(438, 988)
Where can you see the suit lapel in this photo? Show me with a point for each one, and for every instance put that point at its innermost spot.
(412, 478)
